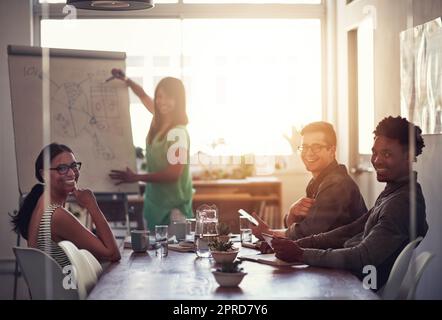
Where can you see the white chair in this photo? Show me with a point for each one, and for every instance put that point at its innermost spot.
(86, 276)
(391, 289)
(43, 275)
(413, 276)
(93, 262)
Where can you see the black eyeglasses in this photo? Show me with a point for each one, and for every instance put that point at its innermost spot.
(64, 168)
(315, 147)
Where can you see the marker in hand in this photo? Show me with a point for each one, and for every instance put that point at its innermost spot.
(116, 74)
(109, 79)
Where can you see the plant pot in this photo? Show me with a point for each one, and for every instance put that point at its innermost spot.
(227, 279)
(224, 256)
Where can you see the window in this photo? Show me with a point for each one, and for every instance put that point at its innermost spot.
(248, 81)
(365, 85)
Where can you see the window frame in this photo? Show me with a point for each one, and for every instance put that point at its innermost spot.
(360, 163)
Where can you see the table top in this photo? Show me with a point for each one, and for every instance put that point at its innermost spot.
(184, 276)
(249, 181)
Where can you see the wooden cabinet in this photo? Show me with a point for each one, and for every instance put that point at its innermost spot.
(258, 194)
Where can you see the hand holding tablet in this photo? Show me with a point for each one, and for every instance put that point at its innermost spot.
(269, 237)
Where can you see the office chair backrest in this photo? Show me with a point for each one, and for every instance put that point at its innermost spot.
(43, 275)
(413, 276)
(391, 289)
(85, 274)
(96, 266)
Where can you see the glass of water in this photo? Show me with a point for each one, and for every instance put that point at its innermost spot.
(205, 229)
(190, 229)
(245, 230)
(161, 236)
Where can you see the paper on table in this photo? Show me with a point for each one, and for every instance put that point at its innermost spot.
(180, 248)
(248, 216)
(270, 259)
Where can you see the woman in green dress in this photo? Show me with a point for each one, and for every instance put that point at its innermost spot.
(168, 194)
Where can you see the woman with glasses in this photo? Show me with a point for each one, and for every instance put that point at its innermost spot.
(42, 219)
(168, 194)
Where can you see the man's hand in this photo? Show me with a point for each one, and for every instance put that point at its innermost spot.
(299, 210)
(265, 248)
(260, 228)
(287, 250)
(127, 176)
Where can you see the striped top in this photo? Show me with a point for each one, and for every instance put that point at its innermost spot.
(44, 239)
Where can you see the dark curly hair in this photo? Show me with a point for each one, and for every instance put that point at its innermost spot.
(401, 129)
(21, 220)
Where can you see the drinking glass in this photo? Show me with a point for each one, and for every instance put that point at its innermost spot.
(161, 236)
(205, 229)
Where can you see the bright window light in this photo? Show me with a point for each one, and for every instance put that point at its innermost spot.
(365, 85)
(248, 81)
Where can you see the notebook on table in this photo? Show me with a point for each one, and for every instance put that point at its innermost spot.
(270, 259)
(183, 246)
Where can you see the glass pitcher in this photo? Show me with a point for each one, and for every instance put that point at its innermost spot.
(205, 230)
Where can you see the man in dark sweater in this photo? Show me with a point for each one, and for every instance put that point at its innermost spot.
(378, 236)
(332, 198)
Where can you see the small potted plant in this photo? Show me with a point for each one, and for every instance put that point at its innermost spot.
(222, 251)
(229, 274)
(223, 230)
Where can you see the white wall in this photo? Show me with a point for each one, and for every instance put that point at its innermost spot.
(430, 178)
(15, 23)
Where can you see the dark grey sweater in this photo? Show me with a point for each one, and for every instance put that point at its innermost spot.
(375, 239)
(338, 202)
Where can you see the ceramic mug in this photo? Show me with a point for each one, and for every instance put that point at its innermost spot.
(139, 240)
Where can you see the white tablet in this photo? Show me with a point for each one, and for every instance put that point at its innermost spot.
(248, 216)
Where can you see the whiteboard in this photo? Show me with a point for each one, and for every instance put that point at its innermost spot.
(85, 113)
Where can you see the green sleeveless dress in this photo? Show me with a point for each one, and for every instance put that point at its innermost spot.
(161, 198)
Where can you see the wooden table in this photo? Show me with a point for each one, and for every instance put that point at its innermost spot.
(183, 276)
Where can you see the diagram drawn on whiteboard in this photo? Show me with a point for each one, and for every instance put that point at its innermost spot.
(87, 106)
